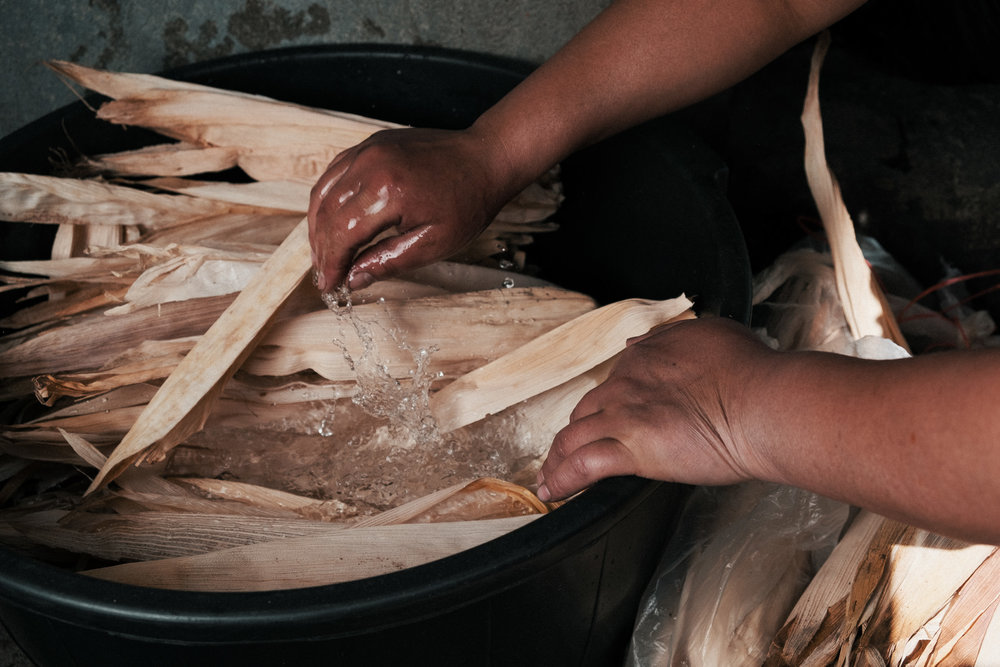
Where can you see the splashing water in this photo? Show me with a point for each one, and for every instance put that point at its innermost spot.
(406, 406)
(374, 450)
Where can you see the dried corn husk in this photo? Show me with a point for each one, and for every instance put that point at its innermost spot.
(176, 159)
(77, 301)
(181, 406)
(581, 344)
(70, 348)
(155, 534)
(865, 306)
(493, 323)
(339, 556)
(49, 199)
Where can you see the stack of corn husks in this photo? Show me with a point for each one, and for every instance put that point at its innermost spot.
(171, 344)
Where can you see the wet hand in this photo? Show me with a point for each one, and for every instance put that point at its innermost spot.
(400, 200)
(669, 410)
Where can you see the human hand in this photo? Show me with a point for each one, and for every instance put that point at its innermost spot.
(420, 195)
(669, 410)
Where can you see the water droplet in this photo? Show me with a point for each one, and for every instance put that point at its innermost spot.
(508, 282)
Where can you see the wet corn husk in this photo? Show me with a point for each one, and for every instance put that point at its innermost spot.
(178, 398)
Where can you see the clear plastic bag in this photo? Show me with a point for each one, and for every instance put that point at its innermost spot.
(728, 578)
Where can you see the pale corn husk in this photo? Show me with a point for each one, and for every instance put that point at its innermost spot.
(70, 348)
(80, 300)
(298, 143)
(102, 270)
(966, 622)
(186, 277)
(339, 556)
(937, 569)
(153, 535)
(181, 406)
(865, 307)
(493, 323)
(74, 240)
(246, 227)
(52, 200)
(185, 108)
(264, 497)
(156, 534)
(169, 160)
(582, 343)
(291, 196)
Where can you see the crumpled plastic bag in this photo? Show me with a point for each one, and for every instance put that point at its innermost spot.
(728, 578)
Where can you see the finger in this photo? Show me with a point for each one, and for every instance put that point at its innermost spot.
(330, 177)
(592, 462)
(397, 254)
(658, 329)
(326, 196)
(591, 403)
(349, 221)
(578, 433)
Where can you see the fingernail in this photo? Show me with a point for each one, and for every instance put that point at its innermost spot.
(543, 494)
(360, 280)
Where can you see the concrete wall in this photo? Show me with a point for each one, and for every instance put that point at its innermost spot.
(129, 35)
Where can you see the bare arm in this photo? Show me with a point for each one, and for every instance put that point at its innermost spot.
(637, 60)
(917, 439)
(703, 402)
(640, 59)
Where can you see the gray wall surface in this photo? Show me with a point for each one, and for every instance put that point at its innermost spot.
(136, 36)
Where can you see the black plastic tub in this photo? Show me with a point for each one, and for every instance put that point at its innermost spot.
(645, 215)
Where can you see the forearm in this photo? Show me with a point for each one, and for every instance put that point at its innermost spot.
(637, 60)
(917, 440)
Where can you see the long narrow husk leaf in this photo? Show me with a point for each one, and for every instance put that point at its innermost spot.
(71, 348)
(339, 556)
(260, 109)
(54, 200)
(549, 360)
(174, 159)
(152, 535)
(182, 404)
(493, 322)
(807, 628)
(865, 307)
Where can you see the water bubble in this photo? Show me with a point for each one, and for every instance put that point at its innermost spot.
(508, 282)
